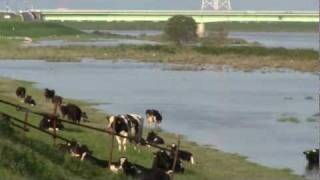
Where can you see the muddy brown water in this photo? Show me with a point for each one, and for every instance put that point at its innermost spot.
(233, 111)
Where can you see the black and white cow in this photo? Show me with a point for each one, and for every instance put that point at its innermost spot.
(21, 92)
(183, 155)
(72, 112)
(137, 171)
(57, 100)
(163, 160)
(153, 138)
(49, 94)
(153, 117)
(47, 123)
(29, 100)
(129, 125)
(312, 156)
(75, 149)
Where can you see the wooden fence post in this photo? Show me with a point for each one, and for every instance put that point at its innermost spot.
(112, 146)
(54, 119)
(176, 153)
(26, 115)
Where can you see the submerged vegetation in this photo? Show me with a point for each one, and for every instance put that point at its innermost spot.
(289, 120)
(33, 156)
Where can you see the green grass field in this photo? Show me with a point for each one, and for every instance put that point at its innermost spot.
(34, 157)
(229, 26)
(35, 29)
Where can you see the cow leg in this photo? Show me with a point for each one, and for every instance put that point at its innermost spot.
(124, 142)
(192, 160)
(83, 156)
(119, 142)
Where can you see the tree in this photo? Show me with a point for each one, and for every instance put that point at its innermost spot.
(181, 29)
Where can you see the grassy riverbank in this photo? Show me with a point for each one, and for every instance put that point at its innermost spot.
(210, 163)
(228, 26)
(35, 29)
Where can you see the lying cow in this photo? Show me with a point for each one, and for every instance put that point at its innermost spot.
(72, 112)
(47, 123)
(75, 149)
(29, 100)
(49, 94)
(21, 92)
(183, 155)
(163, 160)
(312, 156)
(153, 117)
(135, 170)
(129, 125)
(153, 138)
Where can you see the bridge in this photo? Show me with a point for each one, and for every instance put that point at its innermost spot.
(199, 16)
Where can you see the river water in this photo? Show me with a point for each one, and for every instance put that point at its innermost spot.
(234, 111)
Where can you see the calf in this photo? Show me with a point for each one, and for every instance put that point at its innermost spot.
(21, 92)
(183, 155)
(153, 117)
(47, 123)
(72, 111)
(165, 161)
(75, 149)
(312, 156)
(49, 94)
(153, 138)
(29, 100)
(137, 171)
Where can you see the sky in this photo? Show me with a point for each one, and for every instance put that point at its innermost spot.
(164, 4)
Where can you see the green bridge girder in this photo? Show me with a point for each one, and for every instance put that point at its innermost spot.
(199, 16)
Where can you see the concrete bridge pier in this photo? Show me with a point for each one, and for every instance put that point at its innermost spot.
(201, 30)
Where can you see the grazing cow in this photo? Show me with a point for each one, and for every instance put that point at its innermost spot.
(153, 117)
(135, 170)
(84, 117)
(21, 92)
(153, 138)
(129, 125)
(49, 94)
(72, 111)
(47, 123)
(312, 156)
(183, 155)
(57, 100)
(75, 149)
(29, 100)
(163, 160)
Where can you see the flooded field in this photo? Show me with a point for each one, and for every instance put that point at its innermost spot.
(233, 111)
